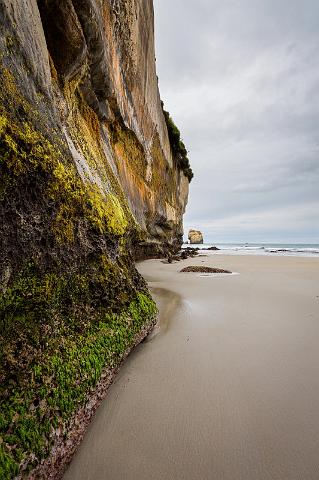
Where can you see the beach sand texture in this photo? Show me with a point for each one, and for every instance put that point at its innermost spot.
(226, 388)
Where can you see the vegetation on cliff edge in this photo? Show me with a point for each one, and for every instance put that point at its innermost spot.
(177, 145)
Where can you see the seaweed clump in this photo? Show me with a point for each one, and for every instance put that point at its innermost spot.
(203, 269)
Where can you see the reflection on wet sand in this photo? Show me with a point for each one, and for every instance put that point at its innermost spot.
(167, 302)
(228, 389)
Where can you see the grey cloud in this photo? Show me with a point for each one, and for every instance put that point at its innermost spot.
(241, 80)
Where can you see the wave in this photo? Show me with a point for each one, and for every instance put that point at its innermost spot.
(305, 250)
(293, 250)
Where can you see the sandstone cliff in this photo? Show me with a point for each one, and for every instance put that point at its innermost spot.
(88, 179)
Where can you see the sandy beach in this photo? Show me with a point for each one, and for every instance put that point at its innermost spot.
(225, 388)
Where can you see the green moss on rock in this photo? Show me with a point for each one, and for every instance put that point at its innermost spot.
(55, 387)
(71, 301)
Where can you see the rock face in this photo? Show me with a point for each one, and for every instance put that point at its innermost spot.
(85, 71)
(195, 236)
(88, 181)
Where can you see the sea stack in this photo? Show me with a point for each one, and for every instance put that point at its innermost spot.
(195, 237)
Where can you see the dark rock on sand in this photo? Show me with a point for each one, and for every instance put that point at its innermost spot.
(203, 269)
(182, 255)
(191, 250)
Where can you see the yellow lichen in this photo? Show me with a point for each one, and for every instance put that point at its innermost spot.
(129, 150)
(3, 123)
(91, 120)
(27, 149)
(10, 41)
(106, 210)
(54, 73)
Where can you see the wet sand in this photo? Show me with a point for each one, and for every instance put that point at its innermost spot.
(226, 388)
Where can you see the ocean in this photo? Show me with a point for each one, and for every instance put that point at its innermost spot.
(286, 249)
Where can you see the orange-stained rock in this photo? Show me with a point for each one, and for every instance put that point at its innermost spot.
(88, 183)
(88, 69)
(195, 236)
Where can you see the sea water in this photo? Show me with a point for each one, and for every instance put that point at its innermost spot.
(287, 249)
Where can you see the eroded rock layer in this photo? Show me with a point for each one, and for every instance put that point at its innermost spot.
(87, 182)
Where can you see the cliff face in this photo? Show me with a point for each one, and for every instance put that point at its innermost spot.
(87, 180)
(86, 68)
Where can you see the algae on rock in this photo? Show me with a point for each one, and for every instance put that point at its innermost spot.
(88, 183)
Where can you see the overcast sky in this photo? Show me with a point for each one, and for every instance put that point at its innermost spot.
(241, 80)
